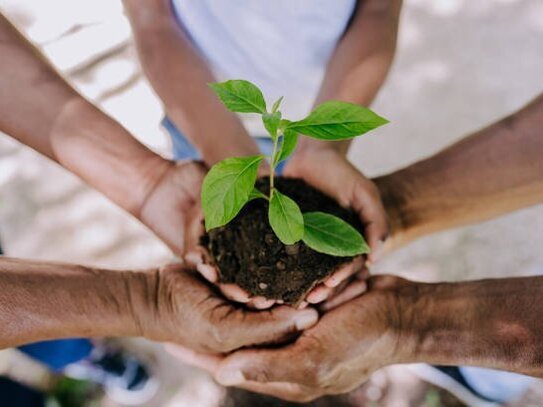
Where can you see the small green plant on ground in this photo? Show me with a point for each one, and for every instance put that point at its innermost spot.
(230, 184)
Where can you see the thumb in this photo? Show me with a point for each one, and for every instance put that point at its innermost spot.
(261, 366)
(247, 328)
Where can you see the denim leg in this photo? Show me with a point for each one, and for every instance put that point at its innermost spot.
(183, 149)
(59, 353)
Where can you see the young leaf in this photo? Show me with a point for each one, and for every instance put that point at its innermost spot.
(335, 120)
(276, 105)
(227, 187)
(328, 234)
(240, 96)
(271, 123)
(255, 194)
(285, 218)
(290, 139)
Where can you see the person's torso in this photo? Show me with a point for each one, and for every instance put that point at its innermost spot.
(282, 46)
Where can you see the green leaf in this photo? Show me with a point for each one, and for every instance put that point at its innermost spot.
(335, 120)
(290, 139)
(227, 187)
(276, 105)
(240, 96)
(271, 123)
(256, 193)
(285, 218)
(328, 234)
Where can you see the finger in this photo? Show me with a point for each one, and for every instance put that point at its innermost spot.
(263, 366)
(200, 360)
(234, 293)
(260, 302)
(363, 274)
(302, 305)
(344, 272)
(319, 294)
(372, 213)
(352, 291)
(247, 328)
(209, 272)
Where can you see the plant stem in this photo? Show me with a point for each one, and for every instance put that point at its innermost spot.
(272, 171)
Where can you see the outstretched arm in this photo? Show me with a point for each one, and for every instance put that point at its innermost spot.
(180, 76)
(38, 108)
(40, 301)
(41, 110)
(488, 323)
(496, 170)
(361, 61)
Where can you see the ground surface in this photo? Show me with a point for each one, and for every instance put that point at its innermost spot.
(460, 64)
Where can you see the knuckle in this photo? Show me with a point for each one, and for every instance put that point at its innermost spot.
(258, 374)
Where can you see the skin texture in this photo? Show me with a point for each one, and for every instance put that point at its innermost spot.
(355, 73)
(487, 323)
(40, 301)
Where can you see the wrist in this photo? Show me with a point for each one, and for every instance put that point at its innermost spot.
(101, 152)
(399, 195)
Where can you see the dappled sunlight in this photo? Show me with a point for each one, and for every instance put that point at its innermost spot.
(460, 65)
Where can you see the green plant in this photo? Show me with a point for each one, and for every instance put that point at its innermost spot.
(230, 184)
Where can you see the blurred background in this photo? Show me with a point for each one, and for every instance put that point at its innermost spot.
(460, 65)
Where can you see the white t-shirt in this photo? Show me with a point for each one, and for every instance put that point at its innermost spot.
(282, 46)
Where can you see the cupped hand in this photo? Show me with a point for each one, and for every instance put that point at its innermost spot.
(329, 171)
(337, 355)
(173, 204)
(185, 310)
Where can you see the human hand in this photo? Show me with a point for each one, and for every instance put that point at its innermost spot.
(185, 310)
(337, 355)
(329, 171)
(172, 208)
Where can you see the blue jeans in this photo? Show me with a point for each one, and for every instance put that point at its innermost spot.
(182, 149)
(493, 384)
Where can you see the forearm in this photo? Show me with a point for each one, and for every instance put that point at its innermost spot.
(494, 171)
(489, 323)
(180, 76)
(41, 110)
(361, 61)
(41, 301)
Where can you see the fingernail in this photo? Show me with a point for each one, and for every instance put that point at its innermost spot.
(208, 272)
(194, 258)
(317, 297)
(230, 377)
(306, 319)
(262, 303)
(332, 282)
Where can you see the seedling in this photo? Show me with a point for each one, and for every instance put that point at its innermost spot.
(230, 184)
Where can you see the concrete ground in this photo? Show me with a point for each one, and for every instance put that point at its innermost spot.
(460, 65)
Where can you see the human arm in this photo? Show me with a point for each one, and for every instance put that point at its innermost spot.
(179, 75)
(489, 323)
(489, 173)
(356, 71)
(360, 62)
(41, 301)
(40, 109)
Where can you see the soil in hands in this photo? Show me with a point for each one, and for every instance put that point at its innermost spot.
(248, 253)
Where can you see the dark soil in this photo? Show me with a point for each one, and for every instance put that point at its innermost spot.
(248, 253)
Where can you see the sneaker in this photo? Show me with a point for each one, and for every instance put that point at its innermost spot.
(450, 378)
(126, 380)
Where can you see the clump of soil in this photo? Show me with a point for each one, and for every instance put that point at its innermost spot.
(248, 253)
